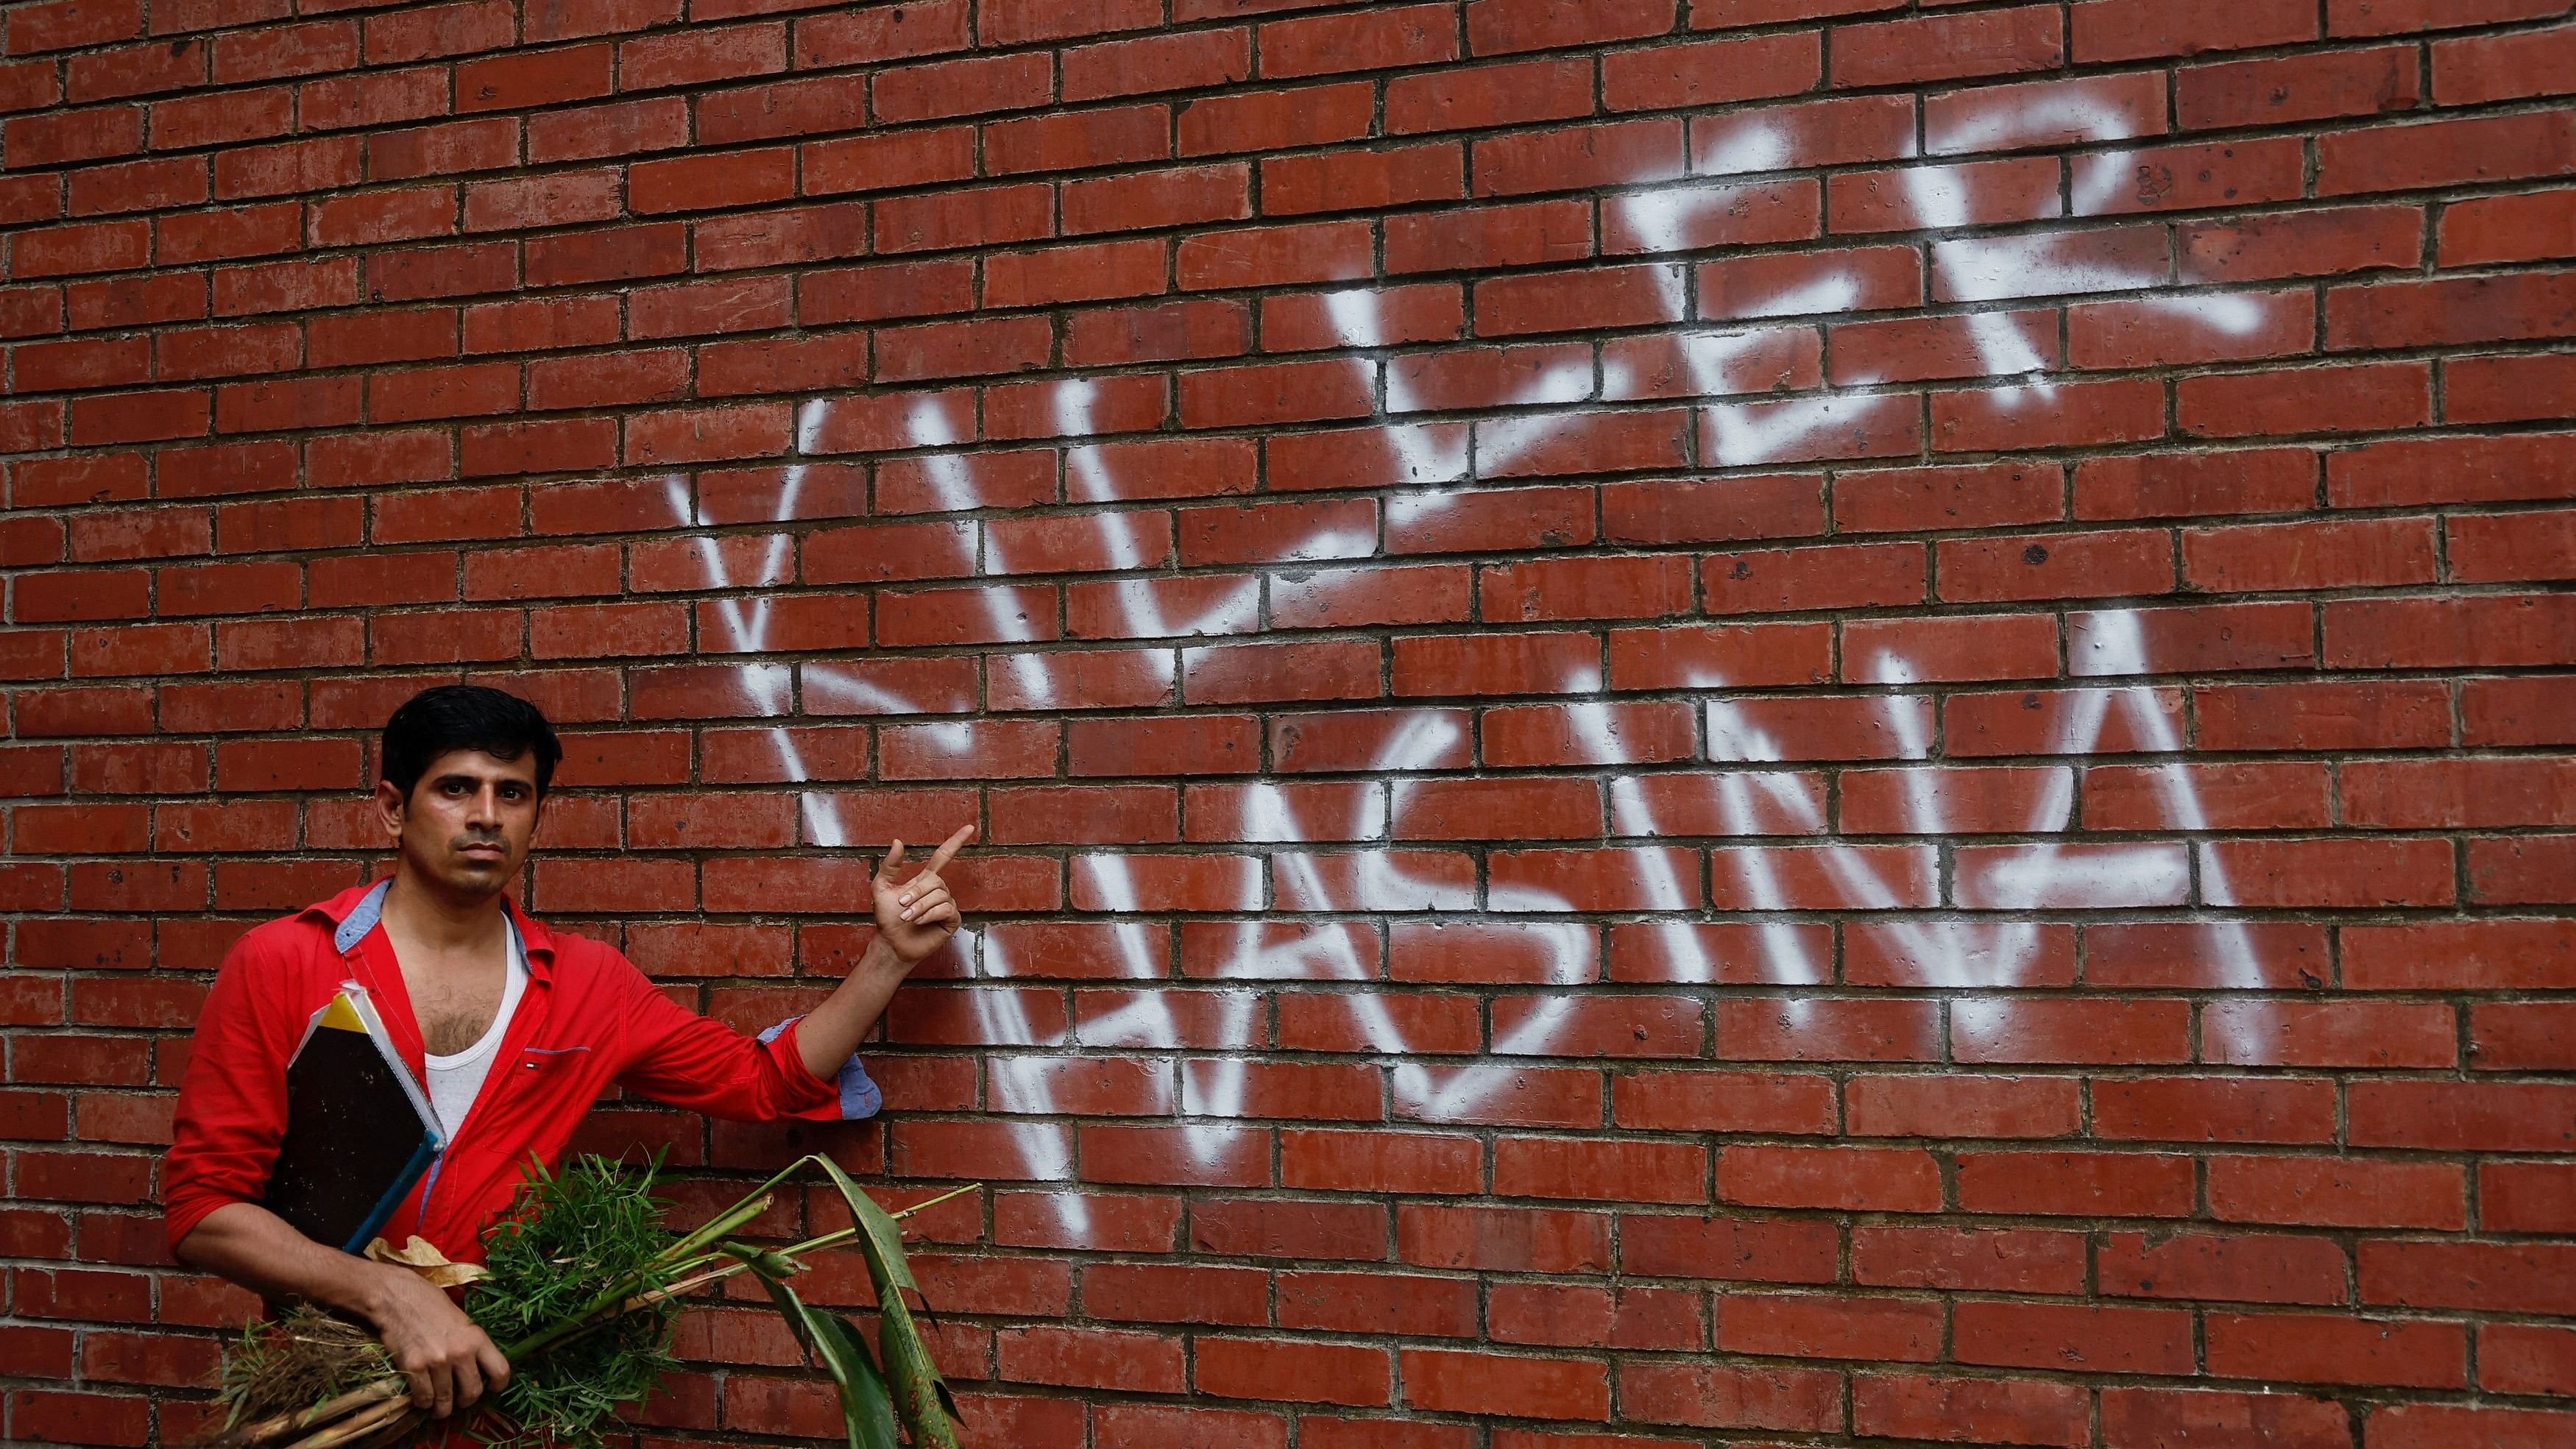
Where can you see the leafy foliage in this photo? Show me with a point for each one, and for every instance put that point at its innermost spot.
(907, 1387)
(867, 1409)
(582, 1291)
(921, 1397)
(572, 1238)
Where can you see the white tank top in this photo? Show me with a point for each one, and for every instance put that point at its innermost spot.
(454, 1081)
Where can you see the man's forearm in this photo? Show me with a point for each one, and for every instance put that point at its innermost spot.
(447, 1359)
(259, 1250)
(833, 1030)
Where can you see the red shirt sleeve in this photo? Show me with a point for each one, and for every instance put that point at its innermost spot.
(687, 1060)
(231, 1112)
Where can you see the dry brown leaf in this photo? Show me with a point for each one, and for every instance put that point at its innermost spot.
(428, 1262)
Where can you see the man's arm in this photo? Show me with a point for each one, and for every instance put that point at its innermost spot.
(913, 920)
(230, 1118)
(677, 1056)
(450, 1362)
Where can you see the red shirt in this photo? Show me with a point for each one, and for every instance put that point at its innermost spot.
(586, 1017)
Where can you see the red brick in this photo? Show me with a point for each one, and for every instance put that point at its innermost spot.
(2344, 874)
(1711, 72)
(2494, 68)
(2227, 1267)
(2431, 794)
(1926, 198)
(860, 37)
(1092, 1357)
(2496, 629)
(1856, 1178)
(2312, 87)
(1718, 1396)
(1952, 647)
(1835, 131)
(1811, 1325)
(2492, 1277)
(2135, 1417)
(1525, 234)
(1615, 153)
(2077, 1184)
(1275, 393)
(2324, 1192)
(1383, 37)
(960, 87)
(2008, 1259)
(2406, 17)
(1961, 1107)
(2308, 556)
(1523, 1387)
(1563, 302)
(2114, 30)
(2508, 389)
(1499, 26)
(1948, 47)
(1453, 100)
(1277, 120)
(2444, 153)
(2483, 309)
(2250, 796)
(1600, 1171)
(2423, 1426)
(2098, 1339)
(2061, 565)
(2318, 1349)
(1186, 61)
(2525, 1358)
(1982, 1410)
(1576, 1316)
(2046, 113)
(2459, 1116)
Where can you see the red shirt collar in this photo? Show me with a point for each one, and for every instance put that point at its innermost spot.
(533, 938)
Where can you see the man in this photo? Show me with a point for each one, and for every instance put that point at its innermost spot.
(513, 1030)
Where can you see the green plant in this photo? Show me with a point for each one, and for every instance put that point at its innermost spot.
(580, 1289)
(577, 1236)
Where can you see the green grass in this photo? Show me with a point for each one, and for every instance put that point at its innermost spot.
(572, 1238)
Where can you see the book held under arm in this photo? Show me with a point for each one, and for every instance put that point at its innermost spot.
(359, 1129)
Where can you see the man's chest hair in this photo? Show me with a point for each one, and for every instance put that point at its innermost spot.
(454, 1002)
(444, 1035)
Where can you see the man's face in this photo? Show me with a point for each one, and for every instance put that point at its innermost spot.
(469, 822)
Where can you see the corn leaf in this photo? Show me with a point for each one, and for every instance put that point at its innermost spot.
(881, 1236)
(920, 1396)
(867, 1408)
(867, 1411)
(719, 1225)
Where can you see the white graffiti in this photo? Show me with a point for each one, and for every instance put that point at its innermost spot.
(1969, 951)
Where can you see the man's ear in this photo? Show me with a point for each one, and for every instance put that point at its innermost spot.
(389, 808)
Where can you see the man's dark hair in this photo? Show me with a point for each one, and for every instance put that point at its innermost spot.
(451, 717)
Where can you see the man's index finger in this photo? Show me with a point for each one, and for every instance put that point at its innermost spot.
(948, 849)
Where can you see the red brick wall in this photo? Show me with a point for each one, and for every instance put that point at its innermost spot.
(1694, 719)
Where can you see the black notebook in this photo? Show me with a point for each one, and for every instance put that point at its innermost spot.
(359, 1130)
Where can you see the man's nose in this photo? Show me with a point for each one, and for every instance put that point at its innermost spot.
(486, 806)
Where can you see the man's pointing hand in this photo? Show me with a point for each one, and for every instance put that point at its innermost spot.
(914, 917)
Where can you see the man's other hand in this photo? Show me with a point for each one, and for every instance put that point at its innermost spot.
(450, 1362)
(913, 918)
